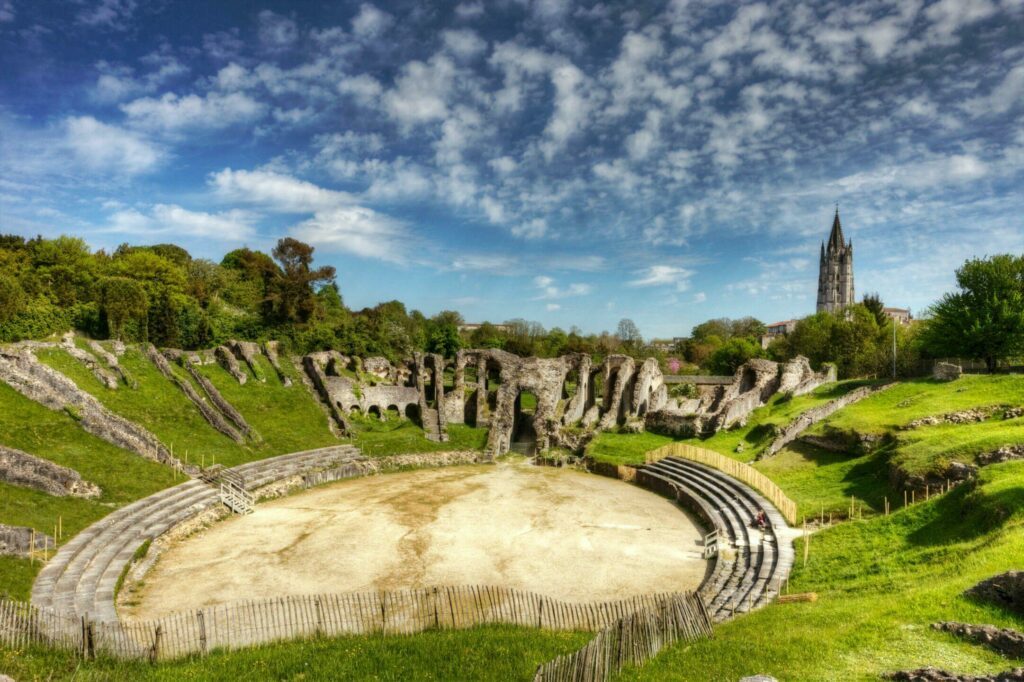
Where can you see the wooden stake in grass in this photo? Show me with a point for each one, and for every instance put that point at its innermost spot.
(913, 496)
(807, 543)
(904, 497)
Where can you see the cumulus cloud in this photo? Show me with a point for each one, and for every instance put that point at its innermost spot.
(421, 92)
(277, 32)
(371, 22)
(531, 229)
(100, 146)
(663, 275)
(464, 43)
(356, 230)
(275, 191)
(172, 220)
(172, 113)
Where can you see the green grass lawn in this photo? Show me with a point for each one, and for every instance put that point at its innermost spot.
(881, 583)
(911, 400)
(397, 436)
(122, 476)
(930, 449)
(498, 653)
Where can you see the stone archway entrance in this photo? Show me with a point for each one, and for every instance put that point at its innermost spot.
(524, 432)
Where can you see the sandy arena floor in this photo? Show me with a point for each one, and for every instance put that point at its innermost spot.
(567, 534)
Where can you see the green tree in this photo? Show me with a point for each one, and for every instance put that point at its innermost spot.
(985, 318)
(292, 292)
(124, 299)
(733, 353)
(873, 302)
(12, 298)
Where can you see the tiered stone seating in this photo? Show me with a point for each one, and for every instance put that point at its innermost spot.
(82, 577)
(752, 565)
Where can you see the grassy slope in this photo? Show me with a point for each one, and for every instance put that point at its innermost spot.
(880, 582)
(288, 419)
(396, 436)
(486, 653)
(55, 436)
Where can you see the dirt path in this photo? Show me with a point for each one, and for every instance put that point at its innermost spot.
(567, 534)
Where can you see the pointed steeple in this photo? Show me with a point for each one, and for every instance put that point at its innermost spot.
(835, 239)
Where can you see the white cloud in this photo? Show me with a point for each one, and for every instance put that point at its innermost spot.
(421, 92)
(99, 146)
(277, 33)
(700, 297)
(487, 262)
(552, 307)
(275, 191)
(364, 89)
(923, 174)
(172, 113)
(6, 11)
(663, 275)
(531, 229)
(357, 230)
(174, 221)
(503, 164)
(1004, 96)
(111, 14)
(550, 291)
(371, 22)
(469, 10)
(464, 43)
(949, 16)
(572, 109)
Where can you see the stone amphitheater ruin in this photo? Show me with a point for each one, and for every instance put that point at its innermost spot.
(526, 404)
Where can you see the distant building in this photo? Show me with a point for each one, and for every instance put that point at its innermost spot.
(835, 273)
(470, 327)
(663, 345)
(901, 315)
(777, 329)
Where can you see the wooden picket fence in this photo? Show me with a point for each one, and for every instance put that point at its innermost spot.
(730, 466)
(244, 624)
(633, 639)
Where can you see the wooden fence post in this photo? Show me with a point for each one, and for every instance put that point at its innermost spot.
(154, 652)
(202, 631)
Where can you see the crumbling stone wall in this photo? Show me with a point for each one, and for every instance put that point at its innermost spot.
(215, 396)
(248, 352)
(753, 384)
(18, 541)
(90, 361)
(270, 349)
(20, 369)
(228, 360)
(112, 362)
(28, 471)
(210, 414)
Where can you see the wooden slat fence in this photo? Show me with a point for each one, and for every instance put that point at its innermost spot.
(737, 470)
(244, 624)
(633, 639)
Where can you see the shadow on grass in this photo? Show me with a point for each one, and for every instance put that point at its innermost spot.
(966, 513)
(867, 479)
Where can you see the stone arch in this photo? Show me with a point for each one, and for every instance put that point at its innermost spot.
(412, 412)
(393, 412)
(524, 429)
(374, 411)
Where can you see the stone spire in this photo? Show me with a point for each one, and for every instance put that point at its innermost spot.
(835, 275)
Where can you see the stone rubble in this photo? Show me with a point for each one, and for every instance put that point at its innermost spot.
(1004, 641)
(101, 373)
(20, 369)
(28, 471)
(1005, 590)
(946, 371)
(931, 674)
(17, 541)
(228, 360)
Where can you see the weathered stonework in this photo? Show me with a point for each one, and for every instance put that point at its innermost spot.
(1009, 643)
(1005, 590)
(946, 371)
(112, 362)
(215, 397)
(248, 351)
(20, 369)
(18, 541)
(28, 471)
(228, 360)
(270, 349)
(210, 414)
(90, 361)
(753, 384)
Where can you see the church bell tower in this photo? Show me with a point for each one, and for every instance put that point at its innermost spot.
(835, 273)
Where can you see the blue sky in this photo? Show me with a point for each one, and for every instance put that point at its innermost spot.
(570, 163)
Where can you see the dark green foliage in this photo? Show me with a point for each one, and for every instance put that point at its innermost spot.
(12, 298)
(985, 318)
(873, 302)
(733, 353)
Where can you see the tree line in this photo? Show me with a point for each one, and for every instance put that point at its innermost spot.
(162, 294)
